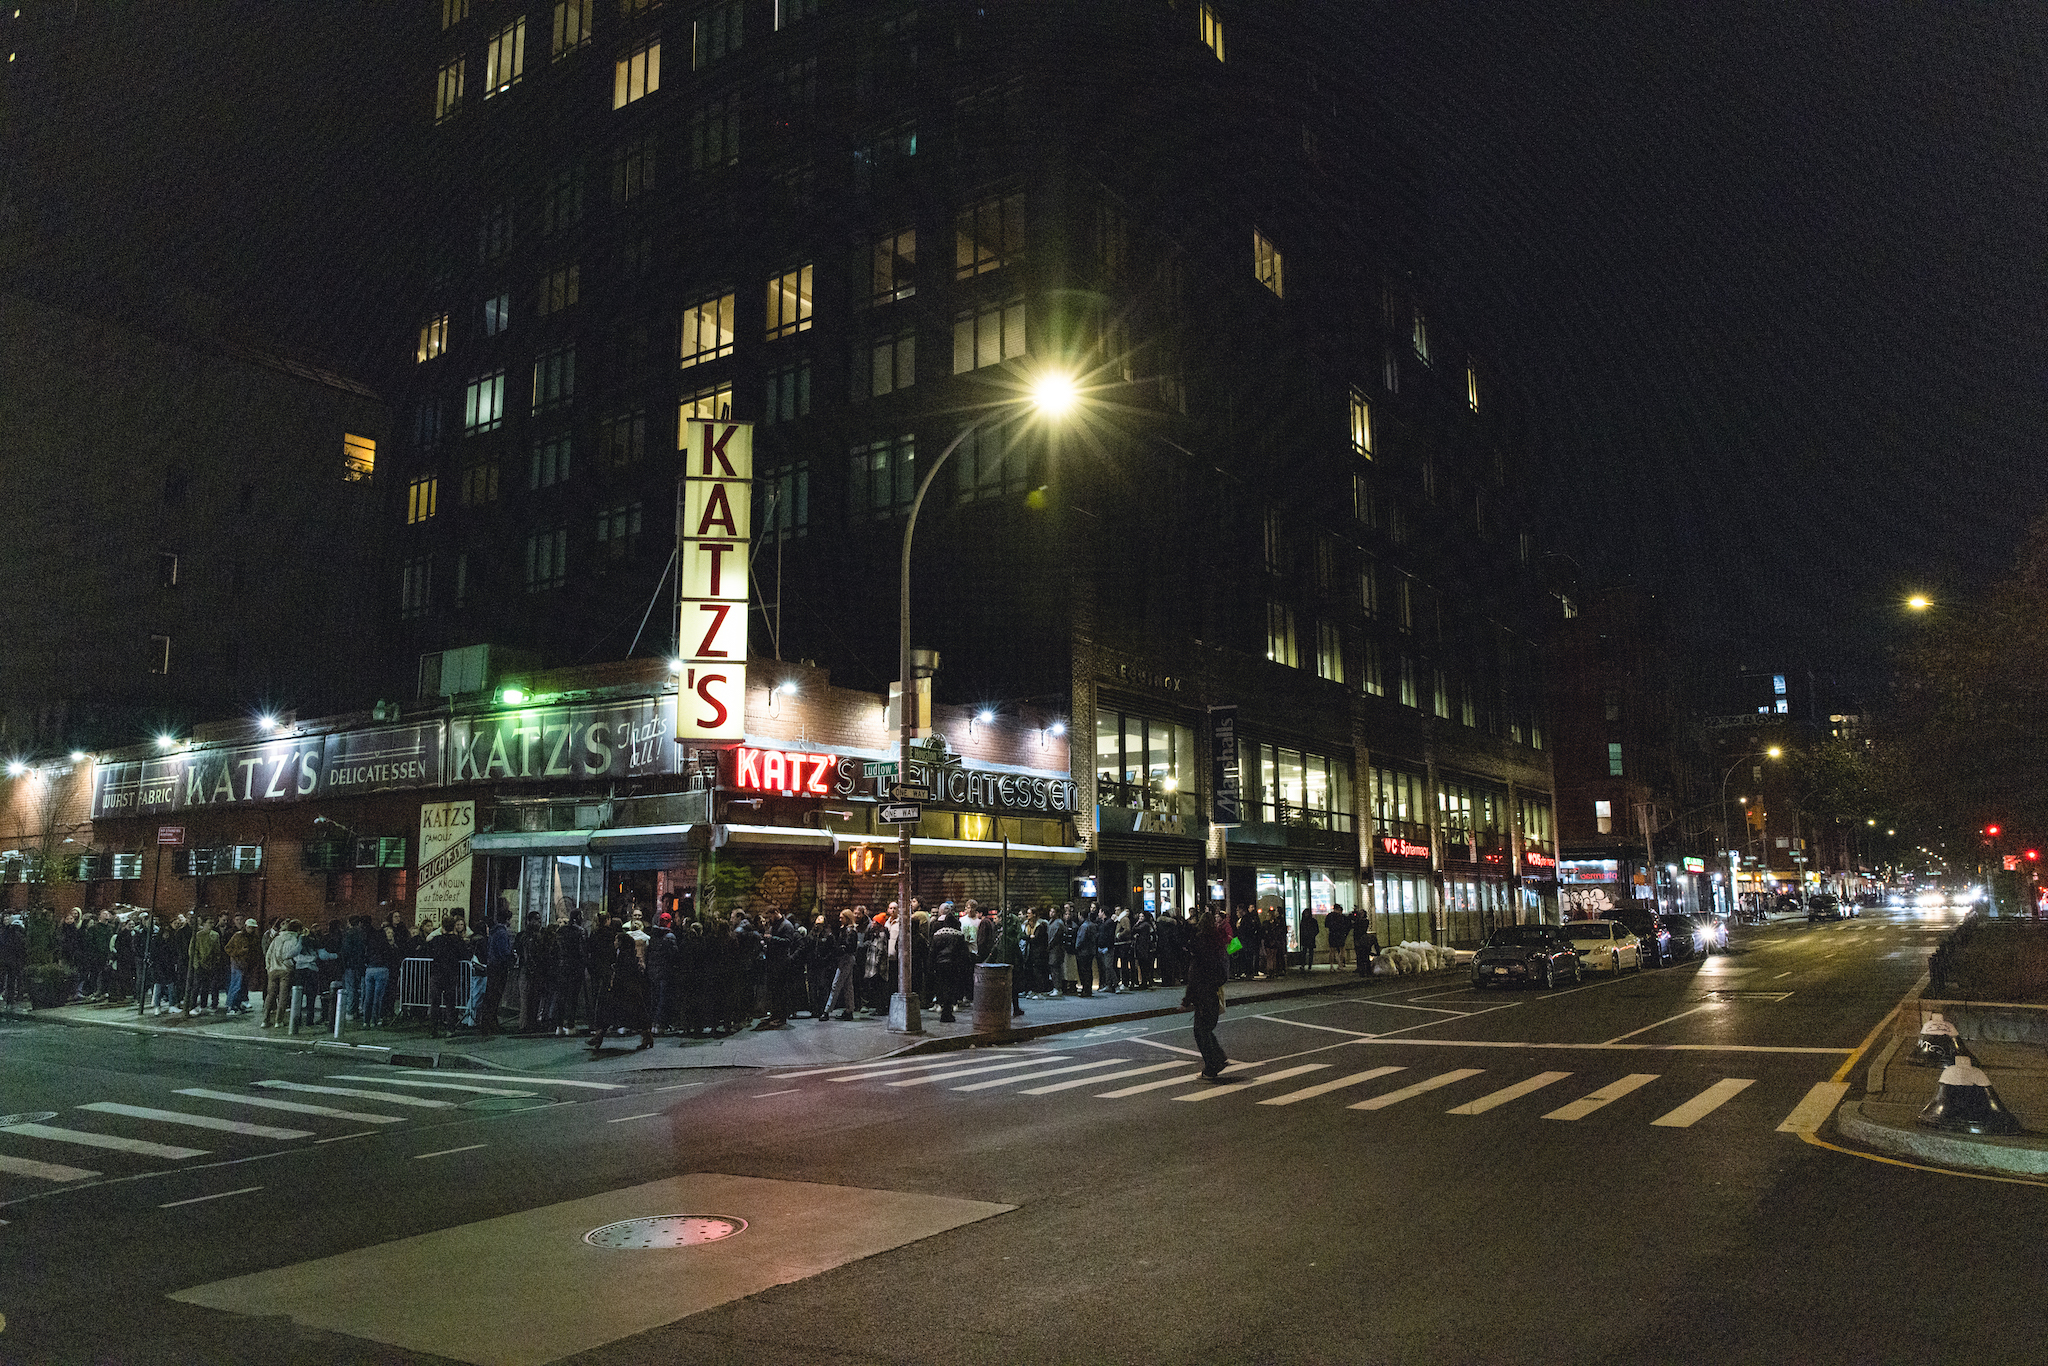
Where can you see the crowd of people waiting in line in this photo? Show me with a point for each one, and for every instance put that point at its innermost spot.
(705, 977)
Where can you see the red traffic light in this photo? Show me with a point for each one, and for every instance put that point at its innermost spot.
(2033, 855)
(1991, 830)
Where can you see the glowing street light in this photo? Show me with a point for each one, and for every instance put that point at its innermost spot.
(1919, 602)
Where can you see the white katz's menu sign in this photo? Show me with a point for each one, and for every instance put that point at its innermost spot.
(717, 527)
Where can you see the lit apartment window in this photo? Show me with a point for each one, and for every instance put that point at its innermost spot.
(633, 171)
(1266, 263)
(547, 559)
(988, 335)
(789, 303)
(622, 438)
(707, 330)
(550, 463)
(784, 496)
(453, 12)
(479, 483)
(884, 365)
(988, 235)
(433, 337)
(1472, 388)
(159, 656)
(558, 290)
(483, 403)
(789, 11)
(1420, 339)
(420, 497)
(1330, 652)
(636, 75)
(618, 530)
(358, 458)
(710, 405)
(882, 478)
(497, 314)
(1778, 684)
(1603, 817)
(572, 26)
(166, 569)
(554, 377)
(1614, 759)
(716, 33)
(505, 58)
(561, 201)
(416, 586)
(714, 135)
(1361, 425)
(1374, 678)
(789, 392)
(1280, 635)
(1408, 698)
(448, 89)
(895, 267)
(992, 462)
(1212, 30)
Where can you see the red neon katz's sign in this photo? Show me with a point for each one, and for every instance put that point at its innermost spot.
(787, 771)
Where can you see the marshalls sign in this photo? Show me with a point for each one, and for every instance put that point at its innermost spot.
(713, 535)
(445, 828)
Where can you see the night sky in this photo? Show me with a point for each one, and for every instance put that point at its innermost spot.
(1768, 278)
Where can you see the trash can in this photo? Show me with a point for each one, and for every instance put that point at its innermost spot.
(991, 998)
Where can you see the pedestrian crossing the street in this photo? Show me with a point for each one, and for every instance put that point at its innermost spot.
(1180, 1080)
(33, 1146)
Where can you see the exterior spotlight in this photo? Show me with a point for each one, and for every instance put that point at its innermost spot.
(675, 666)
(266, 723)
(15, 768)
(1919, 602)
(984, 716)
(1059, 728)
(1054, 392)
(166, 742)
(788, 688)
(511, 694)
(79, 756)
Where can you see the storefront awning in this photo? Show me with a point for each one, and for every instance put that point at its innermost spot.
(675, 837)
(532, 841)
(974, 849)
(788, 836)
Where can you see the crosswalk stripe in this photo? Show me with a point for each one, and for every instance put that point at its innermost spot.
(1182, 1080)
(115, 1142)
(226, 1126)
(42, 1171)
(1107, 1076)
(1812, 1112)
(868, 1072)
(437, 1085)
(1703, 1104)
(1227, 1088)
(932, 1077)
(1614, 1090)
(266, 1103)
(1035, 1076)
(1508, 1093)
(524, 1080)
(418, 1102)
(1419, 1088)
(887, 1065)
(1323, 1088)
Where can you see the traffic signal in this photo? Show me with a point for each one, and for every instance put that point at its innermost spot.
(864, 860)
(2033, 855)
(1992, 831)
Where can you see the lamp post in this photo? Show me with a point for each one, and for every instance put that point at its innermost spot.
(1053, 393)
(1727, 852)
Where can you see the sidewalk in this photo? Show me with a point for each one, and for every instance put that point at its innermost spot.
(800, 1043)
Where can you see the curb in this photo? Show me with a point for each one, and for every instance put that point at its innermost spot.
(2016, 1157)
(1028, 1032)
(1879, 1072)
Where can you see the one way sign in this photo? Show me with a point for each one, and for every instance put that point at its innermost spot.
(902, 815)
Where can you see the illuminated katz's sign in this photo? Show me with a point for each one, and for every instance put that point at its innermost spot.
(788, 771)
(717, 524)
(1394, 844)
(801, 773)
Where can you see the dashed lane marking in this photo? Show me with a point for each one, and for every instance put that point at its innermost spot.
(421, 1157)
(1613, 1091)
(199, 1199)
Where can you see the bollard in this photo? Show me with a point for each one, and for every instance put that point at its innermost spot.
(338, 1012)
(1937, 1043)
(298, 1007)
(992, 998)
(1964, 1102)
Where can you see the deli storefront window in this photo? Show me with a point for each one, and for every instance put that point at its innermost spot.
(1142, 762)
(1320, 890)
(1294, 787)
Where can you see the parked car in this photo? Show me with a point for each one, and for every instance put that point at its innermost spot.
(1522, 954)
(1606, 944)
(1824, 906)
(1653, 937)
(1716, 930)
(1688, 938)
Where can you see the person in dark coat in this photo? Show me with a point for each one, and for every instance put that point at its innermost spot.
(1208, 971)
(1171, 949)
(448, 948)
(693, 978)
(664, 963)
(845, 992)
(1059, 944)
(1038, 953)
(1311, 930)
(566, 973)
(622, 998)
(821, 963)
(951, 963)
(780, 942)
(1365, 942)
(1010, 950)
(1145, 948)
(1337, 928)
(1083, 953)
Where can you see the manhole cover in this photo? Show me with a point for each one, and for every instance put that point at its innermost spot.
(666, 1230)
(33, 1117)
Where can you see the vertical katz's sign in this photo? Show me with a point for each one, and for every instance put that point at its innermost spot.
(445, 830)
(713, 537)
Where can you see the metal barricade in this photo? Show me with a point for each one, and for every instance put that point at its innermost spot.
(416, 983)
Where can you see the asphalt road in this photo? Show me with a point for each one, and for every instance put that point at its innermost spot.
(1414, 1172)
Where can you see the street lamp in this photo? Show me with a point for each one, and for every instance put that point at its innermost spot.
(1729, 853)
(1053, 393)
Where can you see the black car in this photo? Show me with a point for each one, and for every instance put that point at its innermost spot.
(1653, 935)
(1825, 906)
(1689, 938)
(1522, 954)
